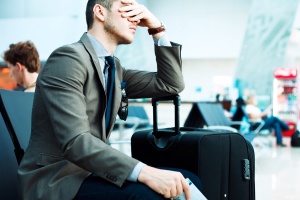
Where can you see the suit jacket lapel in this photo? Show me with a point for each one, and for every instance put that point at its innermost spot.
(87, 44)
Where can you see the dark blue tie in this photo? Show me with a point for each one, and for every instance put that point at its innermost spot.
(110, 86)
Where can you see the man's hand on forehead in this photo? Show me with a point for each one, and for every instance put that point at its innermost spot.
(138, 13)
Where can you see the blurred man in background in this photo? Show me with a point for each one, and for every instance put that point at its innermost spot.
(23, 61)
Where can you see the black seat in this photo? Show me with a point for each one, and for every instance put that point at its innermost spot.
(137, 118)
(195, 117)
(15, 128)
(8, 165)
(139, 112)
(18, 106)
(210, 115)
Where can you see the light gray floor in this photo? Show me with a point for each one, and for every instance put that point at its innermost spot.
(277, 172)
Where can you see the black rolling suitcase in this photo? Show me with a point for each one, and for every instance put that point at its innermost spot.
(224, 161)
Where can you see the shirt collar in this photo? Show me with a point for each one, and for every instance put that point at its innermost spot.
(98, 47)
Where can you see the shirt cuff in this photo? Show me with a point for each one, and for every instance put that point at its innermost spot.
(133, 176)
(162, 41)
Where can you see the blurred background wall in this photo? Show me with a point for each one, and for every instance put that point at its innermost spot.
(227, 45)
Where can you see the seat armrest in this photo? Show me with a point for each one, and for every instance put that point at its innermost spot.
(261, 124)
(243, 124)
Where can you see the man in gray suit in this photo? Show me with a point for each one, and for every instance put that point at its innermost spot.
(68, 156)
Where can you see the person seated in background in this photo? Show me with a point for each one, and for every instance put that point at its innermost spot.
(23, 61)
(270, 122)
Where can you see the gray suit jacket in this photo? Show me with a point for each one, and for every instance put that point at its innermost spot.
(68, 138)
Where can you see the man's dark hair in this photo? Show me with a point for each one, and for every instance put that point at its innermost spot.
(25, 53)
(89, 10)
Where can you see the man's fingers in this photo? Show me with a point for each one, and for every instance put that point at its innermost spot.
(179, 188)
(167, 194)
(175, 186)
(186, 189)
(129, 2)
(133, 10)
(128, 8)
(173, 189)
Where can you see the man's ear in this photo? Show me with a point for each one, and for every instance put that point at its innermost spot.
(99, 12)
(19, 66)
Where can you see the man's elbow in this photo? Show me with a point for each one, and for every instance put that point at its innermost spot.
(179, 87)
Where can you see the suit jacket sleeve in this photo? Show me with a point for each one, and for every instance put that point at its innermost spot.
(168, 79)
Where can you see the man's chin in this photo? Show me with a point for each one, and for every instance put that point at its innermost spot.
(126, 40)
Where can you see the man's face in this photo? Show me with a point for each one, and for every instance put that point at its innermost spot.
(15, 73)
(120, 29)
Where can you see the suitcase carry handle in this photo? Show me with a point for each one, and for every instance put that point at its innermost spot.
(165, 141)
(177, 101)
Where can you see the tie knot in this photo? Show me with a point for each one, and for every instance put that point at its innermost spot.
(110, 60)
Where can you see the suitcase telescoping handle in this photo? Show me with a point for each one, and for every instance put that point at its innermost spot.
(177, 101)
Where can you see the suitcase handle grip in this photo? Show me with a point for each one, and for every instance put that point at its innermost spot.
(177, 101)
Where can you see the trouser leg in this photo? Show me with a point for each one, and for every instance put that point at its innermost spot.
(277, 130)
(282, 124)
(273, 122)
